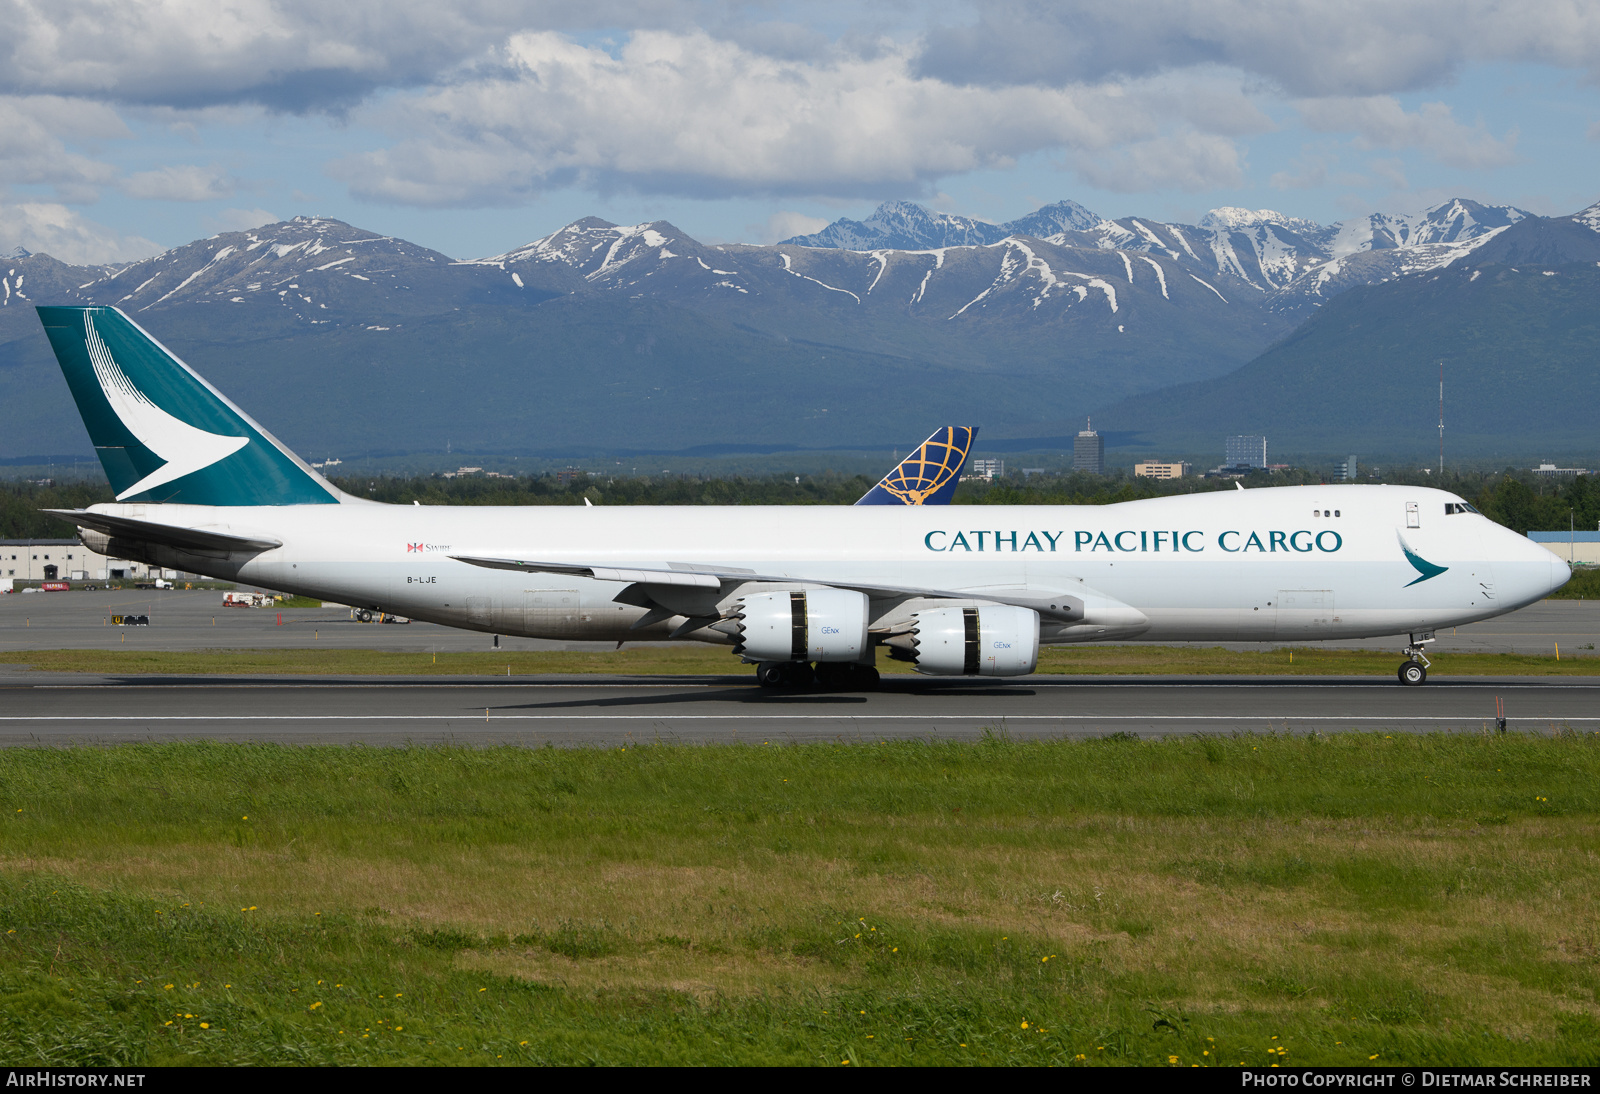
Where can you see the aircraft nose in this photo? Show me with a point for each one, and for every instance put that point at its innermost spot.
(1560, 573)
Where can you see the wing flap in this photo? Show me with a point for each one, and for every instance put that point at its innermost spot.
(1061, 608)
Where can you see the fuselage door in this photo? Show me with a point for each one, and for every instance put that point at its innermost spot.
(1413, 515)
(552, 613)
(1304, 613)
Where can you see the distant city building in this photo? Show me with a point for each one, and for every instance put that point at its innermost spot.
(986, 469)
(1347, 469)
(1237, 471)
(1026, 471)
(1245, 451)
(1150, 469)
(1089, 451)
(1551, 471)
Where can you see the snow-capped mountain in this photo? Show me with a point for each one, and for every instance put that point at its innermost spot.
(1231, 217)
(1052, 314)
(907, 226)
(1290, 259)
(311, 267)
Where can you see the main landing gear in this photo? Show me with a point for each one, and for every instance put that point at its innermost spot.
(827, 676)
(1414, 670)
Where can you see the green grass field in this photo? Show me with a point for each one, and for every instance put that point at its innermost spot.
(1349, 899)
(716, 660)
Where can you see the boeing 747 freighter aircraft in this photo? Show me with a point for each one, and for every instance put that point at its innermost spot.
(801, 592)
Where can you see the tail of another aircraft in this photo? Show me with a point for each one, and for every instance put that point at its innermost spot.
(929, 475)
(162, 433)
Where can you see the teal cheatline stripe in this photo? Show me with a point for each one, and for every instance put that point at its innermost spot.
(162, 433)
(1423, 567)
(929, 475)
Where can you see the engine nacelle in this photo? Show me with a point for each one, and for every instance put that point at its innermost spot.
(805, 625)
(991, 640)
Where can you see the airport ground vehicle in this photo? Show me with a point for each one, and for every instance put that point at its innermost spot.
(954, 591)
(247, 600)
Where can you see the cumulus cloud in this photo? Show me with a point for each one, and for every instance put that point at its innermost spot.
(32, 149)
(784, 225)
(690, 114)
(294, 55)
(67, 235)
(239, 220)
(1185, 160)
(1381, 122)
(1306, 47)
(181, 182)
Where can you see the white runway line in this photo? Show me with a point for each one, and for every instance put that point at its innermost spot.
(469, 716)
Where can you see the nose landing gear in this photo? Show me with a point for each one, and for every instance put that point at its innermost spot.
(1414, 670)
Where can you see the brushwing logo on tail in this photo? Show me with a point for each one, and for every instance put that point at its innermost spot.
(184, 448)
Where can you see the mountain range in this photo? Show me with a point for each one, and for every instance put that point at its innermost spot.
(600, 337)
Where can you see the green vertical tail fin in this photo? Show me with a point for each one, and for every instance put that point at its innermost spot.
(162, 433)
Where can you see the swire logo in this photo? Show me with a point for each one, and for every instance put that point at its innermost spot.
(413, 547)
(426, 548)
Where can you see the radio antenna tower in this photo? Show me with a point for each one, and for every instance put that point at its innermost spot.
(1441, 417)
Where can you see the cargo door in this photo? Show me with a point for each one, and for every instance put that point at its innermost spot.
(1303, 614)
(550, 613)
(479, 611)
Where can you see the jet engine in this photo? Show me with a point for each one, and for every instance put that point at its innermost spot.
(804, 625)
(990, 640)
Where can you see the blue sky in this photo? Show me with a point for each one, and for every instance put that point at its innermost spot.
(473, 127)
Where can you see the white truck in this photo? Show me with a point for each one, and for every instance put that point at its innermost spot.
(247, 600)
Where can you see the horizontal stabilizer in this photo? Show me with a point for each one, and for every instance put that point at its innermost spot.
(185, 539)
(930, 474)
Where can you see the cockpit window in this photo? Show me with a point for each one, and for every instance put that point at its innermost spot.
(1451, 508)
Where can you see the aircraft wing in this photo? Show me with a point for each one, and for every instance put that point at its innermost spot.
(929, 475)
(1060, 608)
(186, 539)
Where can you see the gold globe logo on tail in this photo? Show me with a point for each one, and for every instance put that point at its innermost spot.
(931, 467)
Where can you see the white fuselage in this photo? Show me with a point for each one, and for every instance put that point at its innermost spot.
(1256, 565)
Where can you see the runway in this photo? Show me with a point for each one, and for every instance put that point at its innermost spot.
(196, 620)
(54, 710)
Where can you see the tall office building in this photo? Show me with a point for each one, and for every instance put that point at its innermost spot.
(1246, 451)
(1089, 451)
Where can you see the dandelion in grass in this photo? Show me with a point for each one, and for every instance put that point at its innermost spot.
(205, 1025)
(1172, 1059)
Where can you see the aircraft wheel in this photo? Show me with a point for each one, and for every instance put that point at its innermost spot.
(865, 677)
(832, 676)
(772, 674)
(364, 616)
(1412, 674)
(801, 674)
